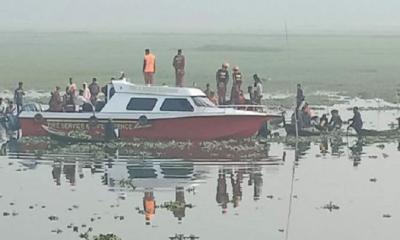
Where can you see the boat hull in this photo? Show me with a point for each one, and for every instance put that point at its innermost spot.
(182, 129)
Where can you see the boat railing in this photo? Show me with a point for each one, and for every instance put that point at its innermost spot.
(255, 108)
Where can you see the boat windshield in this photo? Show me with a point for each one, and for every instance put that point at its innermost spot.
(203, 102)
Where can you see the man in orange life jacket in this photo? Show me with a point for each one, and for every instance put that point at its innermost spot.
(222, 78)
(149, 67)
(179, 65)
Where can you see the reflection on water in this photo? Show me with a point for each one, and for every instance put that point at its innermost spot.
(163, 197)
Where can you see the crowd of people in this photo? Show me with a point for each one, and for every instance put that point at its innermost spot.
(305, 119)
(74, 99)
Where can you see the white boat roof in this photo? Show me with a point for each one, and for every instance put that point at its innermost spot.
(123, 86)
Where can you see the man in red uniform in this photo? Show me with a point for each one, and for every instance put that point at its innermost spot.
(179, 64)
(222, 78)
(149, 67)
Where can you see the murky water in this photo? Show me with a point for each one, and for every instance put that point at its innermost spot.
(328, 190)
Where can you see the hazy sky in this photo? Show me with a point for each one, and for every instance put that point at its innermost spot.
(200, 15)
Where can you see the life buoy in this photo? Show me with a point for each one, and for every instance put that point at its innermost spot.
(93, 121)
(38, 118)
(143, 120)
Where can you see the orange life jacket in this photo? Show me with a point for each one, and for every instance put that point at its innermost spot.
(150, 63)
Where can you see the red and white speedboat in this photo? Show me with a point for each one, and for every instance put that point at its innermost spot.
(149, 112)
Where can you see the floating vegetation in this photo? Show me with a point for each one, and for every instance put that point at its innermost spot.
(331, 206)
(182, 237)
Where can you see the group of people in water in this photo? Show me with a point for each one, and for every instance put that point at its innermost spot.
(306, 121)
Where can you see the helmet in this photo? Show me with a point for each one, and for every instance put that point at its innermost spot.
(225, 65)
(235, 68)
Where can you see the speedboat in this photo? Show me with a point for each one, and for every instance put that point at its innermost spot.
(148, 112)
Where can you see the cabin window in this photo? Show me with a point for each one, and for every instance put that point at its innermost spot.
(177, 104)
(203, 102)
(141, 104)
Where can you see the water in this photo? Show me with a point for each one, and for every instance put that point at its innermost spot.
(107, 193)
(364, 65)
(103, 187)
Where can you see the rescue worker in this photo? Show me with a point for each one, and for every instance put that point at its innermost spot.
(94, 89)
(149, 67)
(299, 96)
(68, 101)
(356, 122)
(258, 89)
(222, 78)
(179, 64)
(56, 103)
(236, 85)
(19, 97)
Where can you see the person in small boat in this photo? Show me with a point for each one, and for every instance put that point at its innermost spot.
(207, 91)
(222, 78)
(19, 94)
(336, 122)
(356, 122)
(299, 96)
(11, 108)
(149, 67)
(258, 89)
(56, 103)
(323, 123)
(179, 65)
(305, 117)
(236, 85)
(94, 89)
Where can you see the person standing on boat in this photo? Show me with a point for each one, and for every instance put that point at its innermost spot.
(94, 89)
(207, 91)
(356, 122)
(56, 103)
(222, 78)
(72, 89)
(258, 89)
(299, 96)
(86, 92)
(236, 85)
(179, 64)
(19, 97)
(149, 67)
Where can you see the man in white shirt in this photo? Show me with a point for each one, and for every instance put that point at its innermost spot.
(258, 89)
